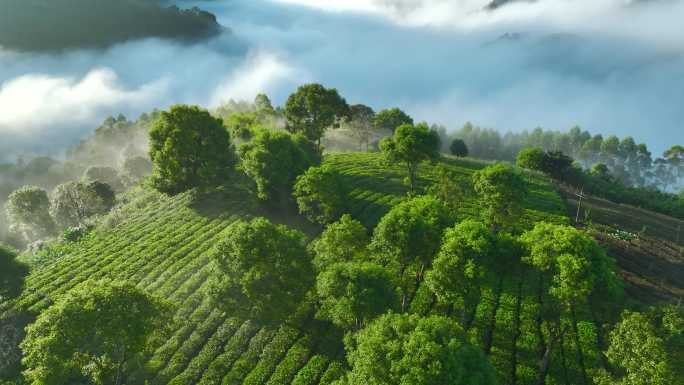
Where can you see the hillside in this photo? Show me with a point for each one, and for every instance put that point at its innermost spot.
(162, 244)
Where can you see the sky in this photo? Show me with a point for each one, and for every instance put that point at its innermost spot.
(609, 66)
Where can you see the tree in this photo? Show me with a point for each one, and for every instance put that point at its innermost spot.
(262, 271)
(408, 237)
(458, 272)
(74, 202)
(28, 213)
(675, 157)
(241, 124)
(352, 293)
(447, 189)
(640, 350)
(531, 158)
(458, 148)
(558, 166)
(342, 241)
(407, 349)
(95, 332)
(501, 191)
(274, 159)
(263, 106)
(103, 174)
(411, 145)
(189, 148)
(135, 168)
(312, 109)
(391, 119)
(12, 273)
(361, 123)
(320, 194)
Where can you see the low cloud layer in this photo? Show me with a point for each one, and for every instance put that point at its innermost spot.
(621, 71)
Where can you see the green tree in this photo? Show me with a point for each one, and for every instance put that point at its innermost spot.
(135, 168)
(12, 273)
(501, 191)
(342, 241)
(262, 271)
(459, 271)
(263, 107)
(458, 148)
(241, 124)
(675, 157)
(274, 159)
(320, 194)
(107, 175)
(352, 293)
(391, 119)
(531, 158)
(411, 145)
(361, 123)
(29, 215)
(446, 188)
(95, 332)
(74, 202)
(407, 349)
(408, 237)
(312, 109)
(189, 148)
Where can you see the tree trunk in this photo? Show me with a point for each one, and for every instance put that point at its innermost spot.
(545, 361)
(540, 334)
(516, 332)
(561, 344)
(403, 289)
(580, 353)
(600, 340)
(489, 333)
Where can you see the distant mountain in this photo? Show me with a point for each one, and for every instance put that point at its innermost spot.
(53, 25)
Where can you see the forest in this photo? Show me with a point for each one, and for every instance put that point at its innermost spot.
(320, 242)
(106, 22)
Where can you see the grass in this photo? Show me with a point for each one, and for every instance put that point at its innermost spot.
(163, 244)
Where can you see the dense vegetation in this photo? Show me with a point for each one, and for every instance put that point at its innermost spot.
(278, 264)
(101, 23)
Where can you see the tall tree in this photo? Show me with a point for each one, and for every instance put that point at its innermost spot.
(320, 194)
(391, 119)
(407, 349)
(408, 237)
(501, 190)
(262, 271)
(361, 123)
(342, 241)
(189, 148)
(274, 159)
(28, 213)
(12, 273)
(312, 109)
(351, 294)
(95, 332)
(74, 202)
(458, 148)
(411, 145)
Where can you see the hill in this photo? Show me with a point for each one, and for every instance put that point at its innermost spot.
(162, 244)
(101, 23)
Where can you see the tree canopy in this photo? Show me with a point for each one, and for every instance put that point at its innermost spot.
(501, 190)
(262, 271)
(320, 194)
(189, 148)
(28, 213)
(342, 241)
(95, 332)
(408, 349)
(391, 119)
(74, 202)
(411, 145)
(458, 148)
(274, 159)
(12, 273)
(312, 109)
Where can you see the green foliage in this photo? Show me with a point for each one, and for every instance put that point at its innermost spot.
(101, 23)
(458, 148)
(641, 353)
(74, 202)
(189, 148)
(95, 331)
(262, 271)
(107, 175)
(12, 273)
(351, 294)
(411, 145)
(391, 119)
(341, 241)
(134, 169)
(274, 159)
(531, 158)
(28, 213)
(312, 109)
(447, 188)
(501, 189)
(402, 349)
(241, 124)
(360, 123)
(320, 195)
(573, 260)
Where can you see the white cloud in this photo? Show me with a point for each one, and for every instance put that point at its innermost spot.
(261, 72)
(33, 104)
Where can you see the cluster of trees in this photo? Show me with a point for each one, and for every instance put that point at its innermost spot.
(630, 163)
(101, 23)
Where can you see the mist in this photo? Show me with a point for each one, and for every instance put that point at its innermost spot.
(609, 67)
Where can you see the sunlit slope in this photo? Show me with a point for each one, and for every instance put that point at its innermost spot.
(164, 243)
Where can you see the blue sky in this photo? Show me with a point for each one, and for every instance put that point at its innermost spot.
(610, 67)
